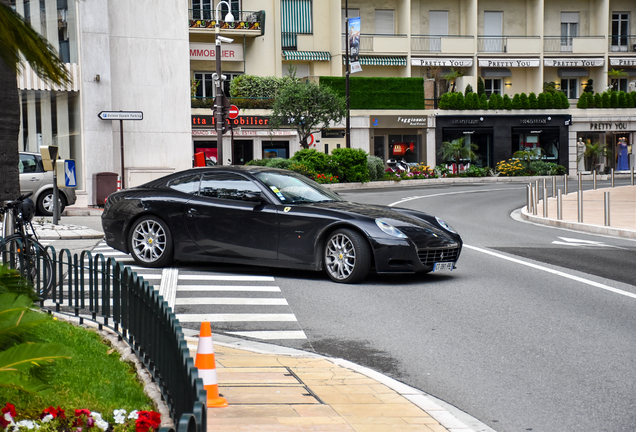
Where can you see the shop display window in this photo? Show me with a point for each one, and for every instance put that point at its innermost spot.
(543, 143)
(404, 147)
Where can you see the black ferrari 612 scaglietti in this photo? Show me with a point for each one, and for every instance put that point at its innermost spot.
(271, 217)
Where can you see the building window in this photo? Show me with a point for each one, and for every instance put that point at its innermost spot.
(620, 31)
(352, 14)
(569, 87)
(296, 18)
(492, 85)
(201, 9)
(384, 23)
(569, 29)
(205, 88)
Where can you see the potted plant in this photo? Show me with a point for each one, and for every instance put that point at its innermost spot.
(593, 154)
(455, 150)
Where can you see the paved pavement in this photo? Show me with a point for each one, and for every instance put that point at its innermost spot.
(271, 388)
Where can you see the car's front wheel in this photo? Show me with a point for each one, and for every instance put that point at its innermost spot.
(45, 203)
(347, 256)
(150, 242)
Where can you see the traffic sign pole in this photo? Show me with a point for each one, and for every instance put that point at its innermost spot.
(121, 116)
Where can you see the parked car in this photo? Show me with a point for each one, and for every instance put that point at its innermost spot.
(34, 179)
(272, 217)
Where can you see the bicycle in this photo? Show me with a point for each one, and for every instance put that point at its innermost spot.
(21, 250)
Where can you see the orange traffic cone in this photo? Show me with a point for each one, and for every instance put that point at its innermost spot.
(207, 367)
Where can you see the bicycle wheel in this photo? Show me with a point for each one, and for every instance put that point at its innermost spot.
(32, 261)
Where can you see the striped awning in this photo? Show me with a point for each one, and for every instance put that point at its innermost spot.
(380, 61)
(307, 55)
(296, 16)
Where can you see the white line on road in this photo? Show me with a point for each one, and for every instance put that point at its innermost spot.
(235, 317)
(228, 288)
(227, 278)
(231, 301)
(448, 193)
(272, 335)
(555, 272)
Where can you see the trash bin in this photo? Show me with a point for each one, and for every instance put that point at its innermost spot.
(104, 184)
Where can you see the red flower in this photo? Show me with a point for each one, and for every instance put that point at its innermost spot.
(147, 420)
(8, 408)
(79, 421)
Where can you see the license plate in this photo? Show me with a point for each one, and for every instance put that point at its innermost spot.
(444, 266)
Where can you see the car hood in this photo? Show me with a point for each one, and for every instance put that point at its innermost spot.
(406, 220)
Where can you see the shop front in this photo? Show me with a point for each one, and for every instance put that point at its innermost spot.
(612, 139)
(498, 137)
(249, 138)
(399, 137)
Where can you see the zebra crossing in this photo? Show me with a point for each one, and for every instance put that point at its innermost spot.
(235, 301)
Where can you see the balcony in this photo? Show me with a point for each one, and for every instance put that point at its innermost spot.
(622, 43)
(246, 23)
(574, 44)
(380, 44)
(509, 44)
(442, 44)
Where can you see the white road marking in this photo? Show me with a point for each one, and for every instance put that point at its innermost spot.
(227, 278)
(272, 335)
(246, 317)
(555, 272)
(448, 193)
(583, 243)
(231, 301)
(228, 288)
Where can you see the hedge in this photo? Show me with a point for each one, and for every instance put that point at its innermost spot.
(379, 93)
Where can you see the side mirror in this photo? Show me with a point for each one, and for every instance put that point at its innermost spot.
(253, 197)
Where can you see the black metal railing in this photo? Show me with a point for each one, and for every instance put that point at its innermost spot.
(243, 20)
(110, 294)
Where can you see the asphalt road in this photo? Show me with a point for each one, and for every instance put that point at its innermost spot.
(526, 334)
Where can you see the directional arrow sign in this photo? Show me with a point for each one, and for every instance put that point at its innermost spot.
(121, 115)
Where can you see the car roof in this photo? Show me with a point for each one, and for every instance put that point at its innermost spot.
(250, 169)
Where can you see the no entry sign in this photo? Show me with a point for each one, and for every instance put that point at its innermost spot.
(234, 112)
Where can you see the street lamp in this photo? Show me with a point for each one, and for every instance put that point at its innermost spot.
(218, 78)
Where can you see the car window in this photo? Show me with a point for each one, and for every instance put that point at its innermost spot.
(187, 184)
(226, 186)
(28, 163)
(296, 190)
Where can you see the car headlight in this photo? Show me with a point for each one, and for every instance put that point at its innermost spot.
(389, 229)
(444, 225)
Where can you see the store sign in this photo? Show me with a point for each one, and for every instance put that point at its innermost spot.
(245, 132)
(207, 51)
(608, 126)
(506, 63)
(622, 61)
(595, 62)
(240, 121)
(398, 121)
(463, 122)
(442, 62)
(534, 121)
(333, 133)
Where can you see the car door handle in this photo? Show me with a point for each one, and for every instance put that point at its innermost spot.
(34, 179)
(192, 212)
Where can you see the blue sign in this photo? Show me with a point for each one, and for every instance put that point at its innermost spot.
(70, 179)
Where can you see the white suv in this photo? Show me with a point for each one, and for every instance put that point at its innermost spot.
(34, 179)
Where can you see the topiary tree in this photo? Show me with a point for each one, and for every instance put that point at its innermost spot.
(598, 100)
(589, 86)
(460, 102)
(630, 100)
(495, 102)
(622, 100)
(470, 101)
(468, 89)
(516, 101)
(564, 102)
(525, 103)
(444, 101)
(481, 88)
(606, 99)
(613, 99)
(376, 168)
(549, 101)
(483, 102)
(532, 100)
(541, 104)
(582, 102)
(507, 103)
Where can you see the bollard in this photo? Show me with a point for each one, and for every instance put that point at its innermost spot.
(529, 198)
(607, 209)
(560, 205)
(554, 188)
(534, 200)
(545, 200)
(594, 175)
(632, 176)
(579, 201)
(612, 177)
(580, 182)
(565, 184)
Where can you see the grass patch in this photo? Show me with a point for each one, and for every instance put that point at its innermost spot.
(93, 378)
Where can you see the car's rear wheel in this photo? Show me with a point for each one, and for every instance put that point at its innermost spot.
(150, 242)
(347, 256)
(45, 203)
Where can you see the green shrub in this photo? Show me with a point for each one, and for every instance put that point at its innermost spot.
(303, 169)
(525, 103)
(469, 89)
(540, 167)
(481, 87)
(444, 101)
(549, 101)
(532, 100)
(257, 162)
(541, 101)
(606, 100)
(483, 102)
(352, 163)
(279, 163)
(613, 99)
(582, 103)
(516, 102)
(376, 168)
(564, 102)
(317, 161)
(379, 92)
(460, 102)
(598, 100)
(507, 103)
(622, 100)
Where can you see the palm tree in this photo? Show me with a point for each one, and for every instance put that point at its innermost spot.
(614, 75)
(529, 155)
(593, 152)
(455, 150)
(451, 77)
(19, 41)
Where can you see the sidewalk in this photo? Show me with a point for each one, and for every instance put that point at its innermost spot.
(622, 212)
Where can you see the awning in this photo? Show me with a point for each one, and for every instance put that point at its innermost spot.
(495, 72)
(573, 72)
(380, 61)
(307, 55)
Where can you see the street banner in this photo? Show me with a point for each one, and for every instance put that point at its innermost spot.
(354, 44)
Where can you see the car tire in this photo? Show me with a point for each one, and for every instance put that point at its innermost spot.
(150, 242)
(45, 203)
(347, 256)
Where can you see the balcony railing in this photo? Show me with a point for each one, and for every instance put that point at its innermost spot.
(622, 43)
(434, 43)
(573, 44)
(494, 44)
(243, 20)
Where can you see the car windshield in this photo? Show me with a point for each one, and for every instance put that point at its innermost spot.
(296, 190)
